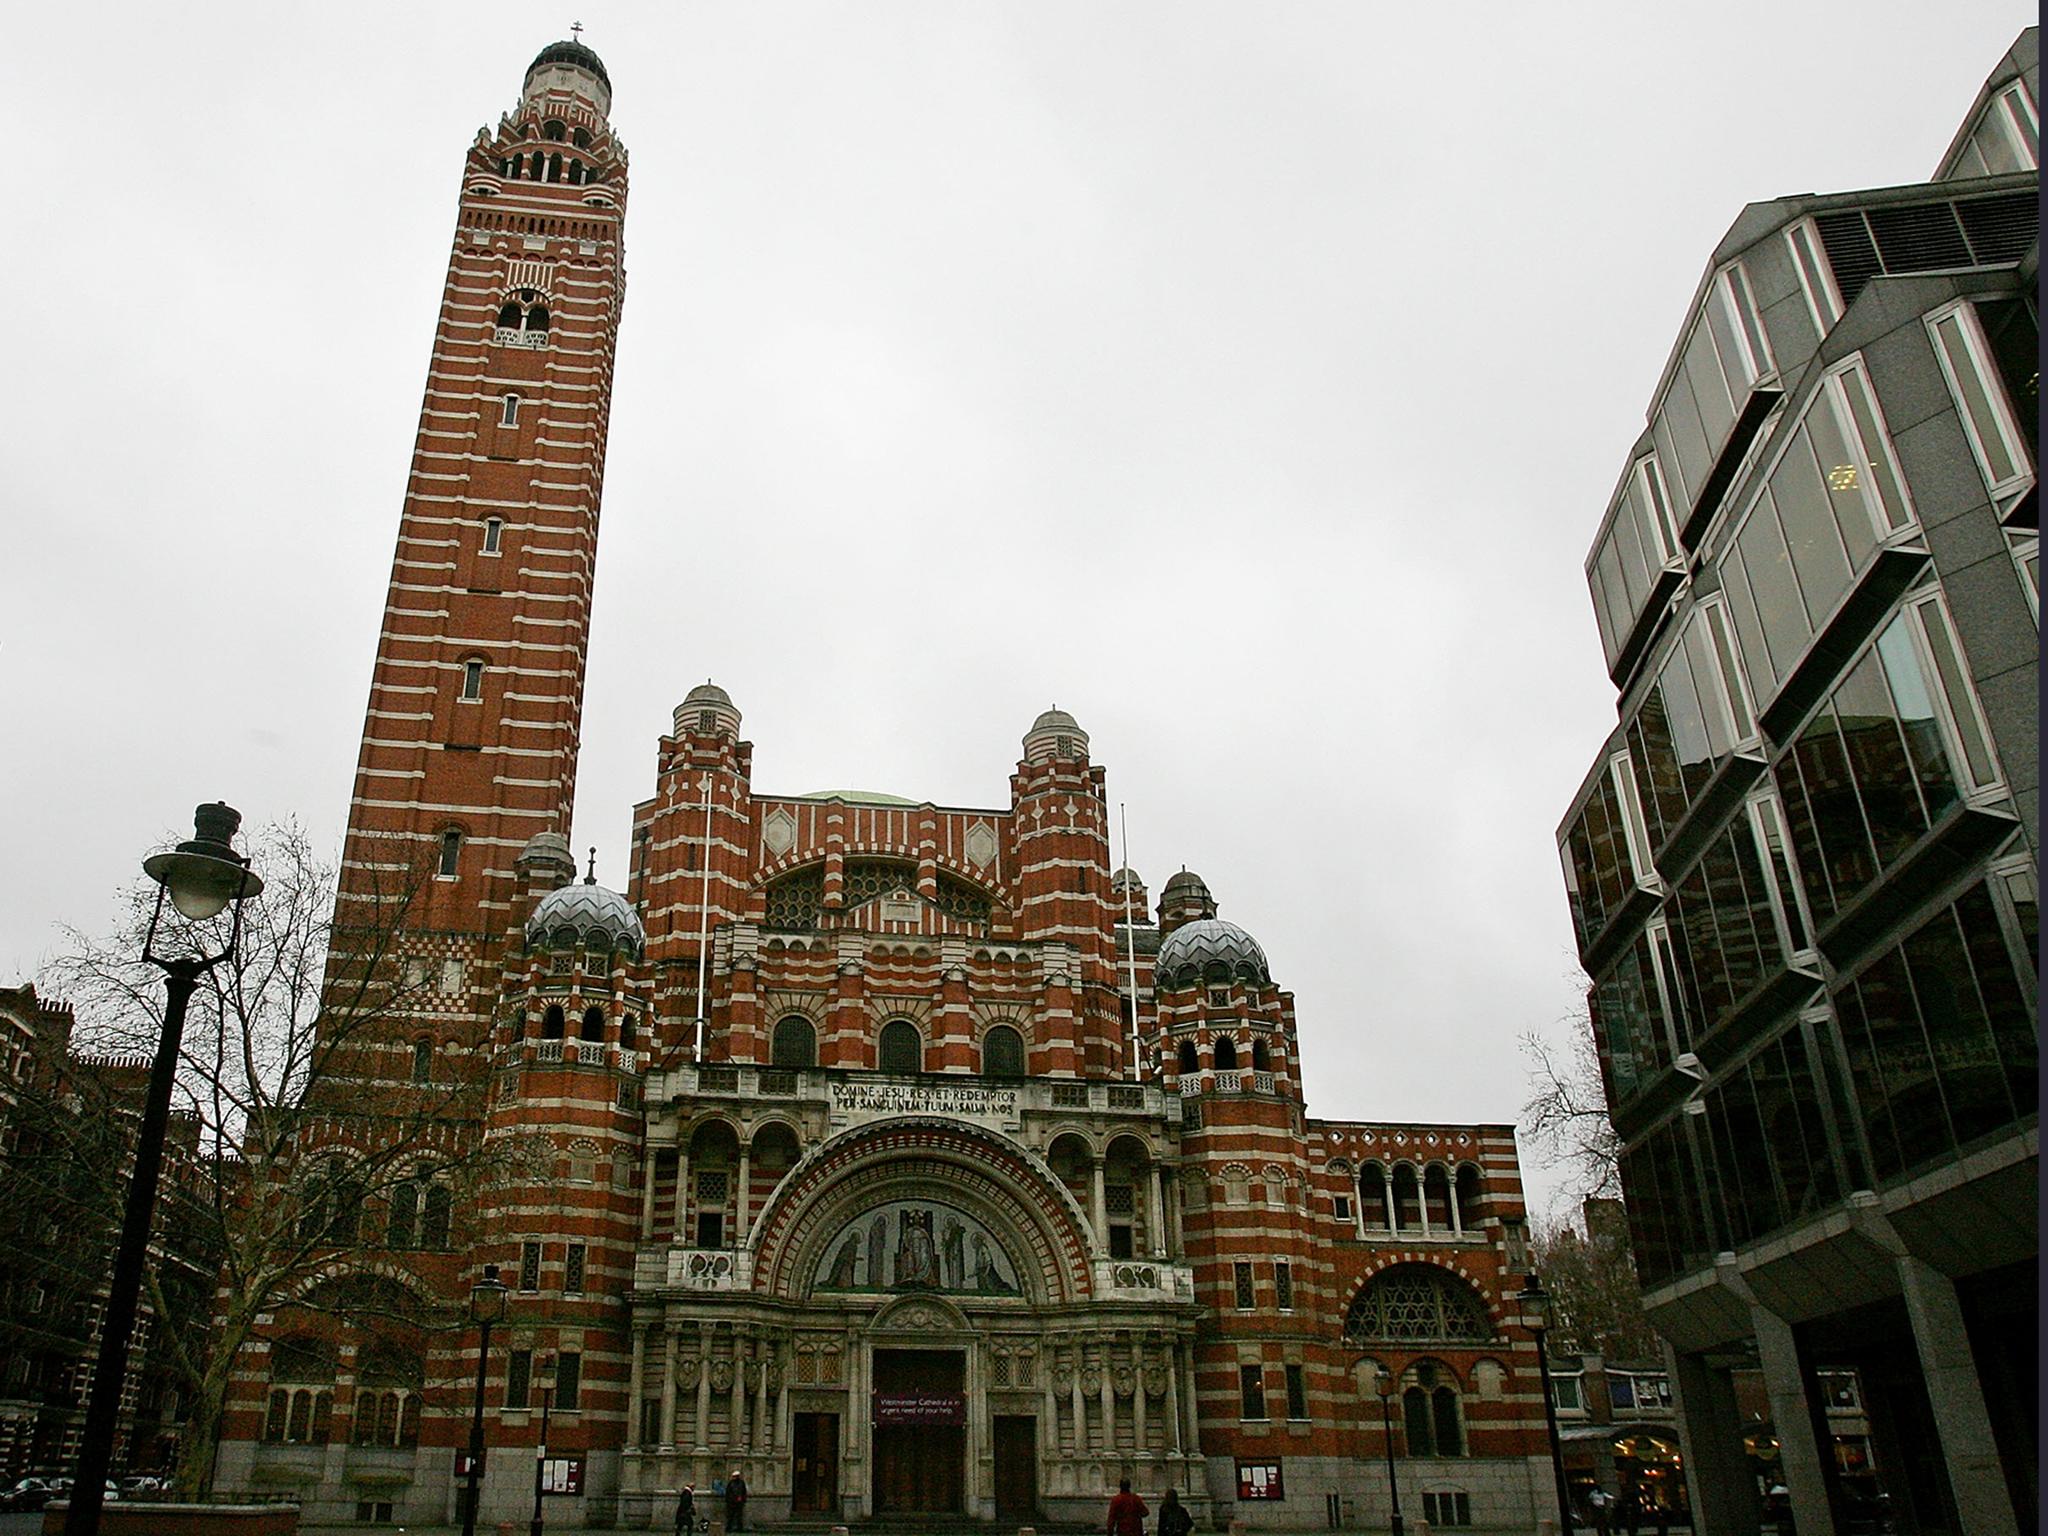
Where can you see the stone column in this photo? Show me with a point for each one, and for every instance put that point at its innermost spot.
(1100, 1212)
(782, 1405)
(745, 1191)
(1080, 1410)
(1155, 1212)
(648, 1171)
(1422, 1200)
(1108, 1397)
(1968, 1450)
(1451, 1203)
(1173, 1441)
(1358, 1204)
(736, 1410)
(702, 1427)
(1718, 1481)
(1387, 1199)
(1799, 1447)
(670, 1354)
(636, 1384)
(764, 1431)
(1191, 1402)
(1138, 1447)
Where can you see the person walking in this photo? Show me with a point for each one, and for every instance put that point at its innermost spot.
(1127, 1512)
(1174, 1519)
(686, 1510)
(735, 1502)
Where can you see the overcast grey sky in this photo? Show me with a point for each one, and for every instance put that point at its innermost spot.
(1246, 379)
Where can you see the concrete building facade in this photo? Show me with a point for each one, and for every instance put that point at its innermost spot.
(1803, 867)
(907, 1158)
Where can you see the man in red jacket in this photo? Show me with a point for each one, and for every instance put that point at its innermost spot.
(1127, 1512)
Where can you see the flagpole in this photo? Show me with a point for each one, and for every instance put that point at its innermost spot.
(703, 923)
(1130, 939)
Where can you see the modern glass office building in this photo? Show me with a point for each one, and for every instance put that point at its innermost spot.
(1803, 867)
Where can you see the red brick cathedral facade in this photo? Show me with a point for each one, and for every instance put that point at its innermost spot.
(890, 1165)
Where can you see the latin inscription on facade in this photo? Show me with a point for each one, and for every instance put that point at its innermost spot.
(856, 1103)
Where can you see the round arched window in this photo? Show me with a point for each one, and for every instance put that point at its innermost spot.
(902, 1047)
(795, 1043)
(1002, 1052)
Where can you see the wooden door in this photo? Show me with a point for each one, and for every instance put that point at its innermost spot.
(1016, 1451)
(814, 1475)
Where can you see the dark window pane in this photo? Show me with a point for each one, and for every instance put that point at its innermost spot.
(1629, 1014)
(1415, 1410)
(1655, 765)
(1894, 1070)
(1449, 1442)
(1965, 1051)
(2006, 991)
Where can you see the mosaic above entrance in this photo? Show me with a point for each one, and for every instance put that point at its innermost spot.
(913, 1245)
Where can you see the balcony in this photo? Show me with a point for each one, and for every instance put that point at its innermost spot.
(1143, 1280)
(692, 1269)
(512, 336)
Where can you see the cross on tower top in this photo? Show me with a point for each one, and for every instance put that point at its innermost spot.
(576, 30)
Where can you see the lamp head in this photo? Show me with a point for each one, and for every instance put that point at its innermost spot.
(204, 873)
(1535, 1300)
(1383, 1383)
(487, 1297)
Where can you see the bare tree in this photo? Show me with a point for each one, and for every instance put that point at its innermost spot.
(1565, 1115)
(308, 1133)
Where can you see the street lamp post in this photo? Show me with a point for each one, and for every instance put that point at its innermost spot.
(545, 1373)
(1536, 1304)
(1383, 1383)
(202, 876)
(486, 1306)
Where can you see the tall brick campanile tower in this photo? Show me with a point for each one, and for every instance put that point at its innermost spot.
(469, 743)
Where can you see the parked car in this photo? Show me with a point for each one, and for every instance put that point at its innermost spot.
(27, 1493)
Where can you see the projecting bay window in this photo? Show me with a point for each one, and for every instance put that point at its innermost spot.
(1724, 359)
(1987, 414)
(1605, 851)
(1692, 720)
(1833, 499)
(2026, 560)
(1636, 561)
(1889, 753)
(2007, 137)
(1724, 931)
(1939, 1033)
(1788, 901)
(1816, 277)
(1633, 1005)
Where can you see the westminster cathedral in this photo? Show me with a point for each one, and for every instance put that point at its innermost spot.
(915, 1162)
